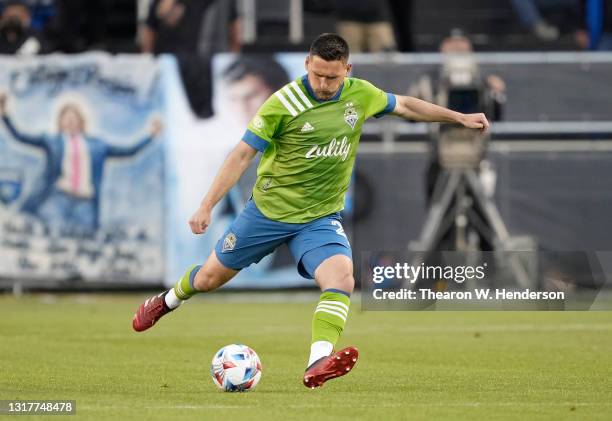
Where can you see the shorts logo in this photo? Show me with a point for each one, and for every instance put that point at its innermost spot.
(350, 115)
(229, 242)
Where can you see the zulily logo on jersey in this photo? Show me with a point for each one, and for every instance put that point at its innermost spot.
(332, 149)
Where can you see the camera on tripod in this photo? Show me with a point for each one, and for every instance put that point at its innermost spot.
(461, 88)
(460, 204)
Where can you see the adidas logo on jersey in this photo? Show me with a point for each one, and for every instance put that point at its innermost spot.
(307, 127)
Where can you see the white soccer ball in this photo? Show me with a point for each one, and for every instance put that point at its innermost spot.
(236, 368)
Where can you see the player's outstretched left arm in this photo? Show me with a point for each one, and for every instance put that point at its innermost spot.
(418, 110)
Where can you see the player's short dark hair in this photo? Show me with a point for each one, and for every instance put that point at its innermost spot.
(330, 47)
(262, 66)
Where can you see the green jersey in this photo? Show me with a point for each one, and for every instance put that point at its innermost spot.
(309, 147)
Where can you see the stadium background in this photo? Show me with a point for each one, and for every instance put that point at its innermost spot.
(549, 156)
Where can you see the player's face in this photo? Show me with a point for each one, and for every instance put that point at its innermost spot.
(247, 95)
(326, 77)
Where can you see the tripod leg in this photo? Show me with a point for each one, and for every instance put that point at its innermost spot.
(434, 223)
(488, 207)
(499, 229)
(436, 213)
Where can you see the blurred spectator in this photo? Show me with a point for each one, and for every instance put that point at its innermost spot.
(16, 34)
(77, 26)
(108, 25)
(365, 26)
(182, 26)
(458, 43)
(401, 16)
(221, 31)
(596, 29)
(544, 17)
(529, 14)
(193, 31)
(41, 12)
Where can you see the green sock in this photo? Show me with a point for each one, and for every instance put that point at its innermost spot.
(330, 316)
(184, 288)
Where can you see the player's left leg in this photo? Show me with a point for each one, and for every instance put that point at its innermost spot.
(335, 278)
(324, 253)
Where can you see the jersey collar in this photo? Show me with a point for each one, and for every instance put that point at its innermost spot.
(306, 84)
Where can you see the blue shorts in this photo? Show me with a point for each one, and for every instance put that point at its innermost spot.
(252, 236)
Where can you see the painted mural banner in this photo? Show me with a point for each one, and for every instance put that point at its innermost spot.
(81, 169)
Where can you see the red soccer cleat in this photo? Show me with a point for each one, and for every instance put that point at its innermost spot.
(149, 313)
(328, 368)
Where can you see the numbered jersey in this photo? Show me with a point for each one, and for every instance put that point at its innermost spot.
(309, 147)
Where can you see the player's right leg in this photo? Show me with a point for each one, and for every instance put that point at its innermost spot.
(198, 278)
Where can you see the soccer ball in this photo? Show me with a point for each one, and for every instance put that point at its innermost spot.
(236, 368)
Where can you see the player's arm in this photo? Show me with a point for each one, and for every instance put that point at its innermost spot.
(415, 109)
(232, 169)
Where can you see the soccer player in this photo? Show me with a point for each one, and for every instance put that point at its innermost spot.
(308, 133)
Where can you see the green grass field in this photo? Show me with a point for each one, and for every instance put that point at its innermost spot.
(413, 365)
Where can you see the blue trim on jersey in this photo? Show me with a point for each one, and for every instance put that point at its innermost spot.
(339, 291)
(306, 84)
(390, 106)
(255, 141)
